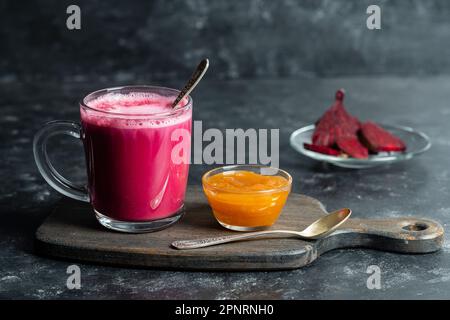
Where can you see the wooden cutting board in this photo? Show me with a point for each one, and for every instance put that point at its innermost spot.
(72, 232)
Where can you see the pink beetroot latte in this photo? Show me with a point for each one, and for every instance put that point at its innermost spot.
(129, 136)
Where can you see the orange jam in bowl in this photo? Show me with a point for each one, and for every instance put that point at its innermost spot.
(246, 197)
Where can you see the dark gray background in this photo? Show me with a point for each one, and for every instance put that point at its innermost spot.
(157, 39)
(274, 64)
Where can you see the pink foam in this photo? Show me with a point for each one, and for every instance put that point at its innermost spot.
(133, 110)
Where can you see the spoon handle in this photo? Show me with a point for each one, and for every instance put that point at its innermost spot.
(193, 81)
(201, 243)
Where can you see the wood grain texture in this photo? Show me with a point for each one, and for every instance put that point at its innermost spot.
(72, 232)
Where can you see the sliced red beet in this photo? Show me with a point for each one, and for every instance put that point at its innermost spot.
(324, 132)
(352, 147)
(322, 149)
(347, 124)
(335, 123)
(380, 140)
(324, 137)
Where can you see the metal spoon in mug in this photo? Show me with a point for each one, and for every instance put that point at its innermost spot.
(318, 229)
(193, 81)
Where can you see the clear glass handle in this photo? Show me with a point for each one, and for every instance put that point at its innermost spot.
(53, 177)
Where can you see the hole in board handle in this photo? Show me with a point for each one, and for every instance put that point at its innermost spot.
(416, 227)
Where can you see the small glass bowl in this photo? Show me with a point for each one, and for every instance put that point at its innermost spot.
(247, 210)
(416, 143)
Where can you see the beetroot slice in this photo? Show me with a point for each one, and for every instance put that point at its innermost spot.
(324, 132)
(352, 147)
(335, 123)
(380, 140)
(321, 149)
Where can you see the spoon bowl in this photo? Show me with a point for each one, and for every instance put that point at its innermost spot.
(318, 229)
(326, 225)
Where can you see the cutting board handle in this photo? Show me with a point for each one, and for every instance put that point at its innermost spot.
(404, 235)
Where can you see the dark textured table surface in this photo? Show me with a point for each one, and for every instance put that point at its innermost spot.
(419, 187)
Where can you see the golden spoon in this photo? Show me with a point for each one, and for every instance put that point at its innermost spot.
(318, 229)
(193, 81)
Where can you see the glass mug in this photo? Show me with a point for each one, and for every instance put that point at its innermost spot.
(136, 182)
